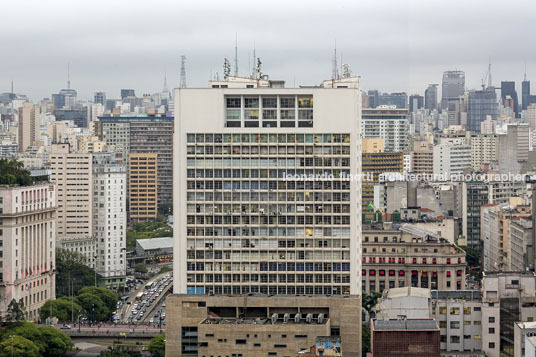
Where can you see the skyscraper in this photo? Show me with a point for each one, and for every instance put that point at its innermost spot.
(509, 89)
(100, 97)
(415, 102)
(400, 100)
(374, 98)
(430, 97)
(249, 222)
(29, 125)
(125, 93)
(525, 92)
(481, 103)
(453, 86)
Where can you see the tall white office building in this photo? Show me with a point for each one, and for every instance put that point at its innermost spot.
(245, 226)
(110, 218)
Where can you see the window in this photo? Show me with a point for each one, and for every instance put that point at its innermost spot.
(240, 342)
(455, 324)
(454, 310)
(467, 310)
(491, 330)
(442, 324)
(454, 339)
(491, 345)
(491, 319)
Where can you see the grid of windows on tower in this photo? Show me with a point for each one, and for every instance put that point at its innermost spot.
(269, 111)
(252, 229)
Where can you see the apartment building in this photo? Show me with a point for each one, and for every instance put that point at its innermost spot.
(144, 134)
(474, 195)
(72, 173)
(373, 166)
(484, 149)
(396, 256)
(27, 246)
(389, 123)
(110, 218)
(496, 221)
(28, 126)
(459, 315)
(422, 158)
(451, 159)
(143, 190)
(507, 298)
(257, 214)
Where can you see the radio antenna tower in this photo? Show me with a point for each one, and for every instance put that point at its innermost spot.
(334, 70)
(68, 75)
(182, 83)
(236, 56)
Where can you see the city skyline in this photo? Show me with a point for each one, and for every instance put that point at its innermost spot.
(107, 52)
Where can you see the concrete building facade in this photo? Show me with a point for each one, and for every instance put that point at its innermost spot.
(27, 246)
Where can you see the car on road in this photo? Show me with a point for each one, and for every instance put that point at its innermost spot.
(66, 327)
(151, 320)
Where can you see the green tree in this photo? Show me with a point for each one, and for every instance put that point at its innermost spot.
(365, 340)
(157, 346)
(57, 343)
(94, 307)
(107, 296)
(140, 268)
(368, 302)
(18, 346)
(15, 311)
(61, 308)
(12, 172)
(71, 272)
(25, 329)
(120, 351)
(47, 340)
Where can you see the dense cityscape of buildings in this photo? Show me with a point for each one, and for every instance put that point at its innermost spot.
(292, 207)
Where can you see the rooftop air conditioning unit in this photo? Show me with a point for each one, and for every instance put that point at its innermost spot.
(309, 318)
(274, 318)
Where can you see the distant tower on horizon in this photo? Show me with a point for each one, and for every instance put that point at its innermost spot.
(182, 83)
(453, 87)
(430, 97)
(525, 91)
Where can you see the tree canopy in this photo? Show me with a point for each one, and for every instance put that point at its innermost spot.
(157, 346)
(61, 309)
(34, 340)
(18, 346)
(12, 172)
(72, 265)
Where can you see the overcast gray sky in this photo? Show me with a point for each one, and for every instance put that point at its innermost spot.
(398, 45)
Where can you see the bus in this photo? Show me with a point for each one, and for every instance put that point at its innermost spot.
(149, 286)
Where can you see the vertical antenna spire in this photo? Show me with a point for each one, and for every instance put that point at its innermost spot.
(489, 71)
(254, 62)
(12, 86)
(182, 83)
(236, 56)
(335, 69)
(525, 74)
(165, 89)
(68, 75)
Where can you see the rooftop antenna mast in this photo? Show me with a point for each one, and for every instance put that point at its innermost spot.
(489, 73)
(12, 86)
(254, 62)
(334, 73)
(524, 76)
(183, 72)
(236, 56)
(68, 75)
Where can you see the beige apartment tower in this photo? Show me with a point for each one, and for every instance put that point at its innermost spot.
(29, 125)
(143, 190)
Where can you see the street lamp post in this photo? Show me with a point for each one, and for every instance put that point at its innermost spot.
(160, 320)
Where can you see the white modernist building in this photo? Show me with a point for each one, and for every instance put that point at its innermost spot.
(247, 224)
(451, 159)
(110, 218)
